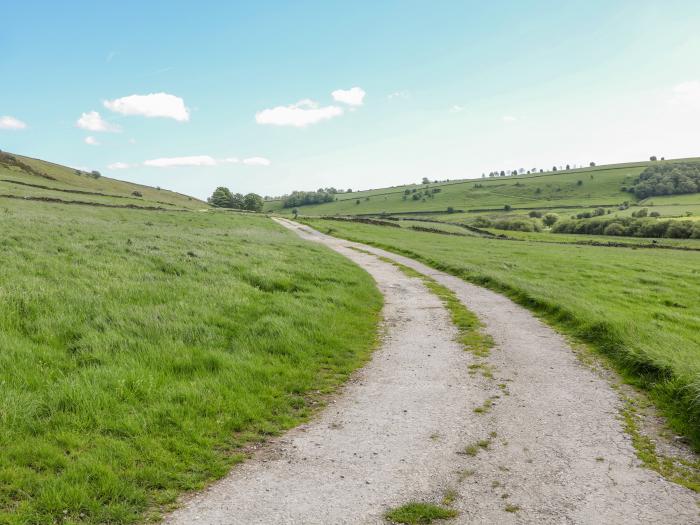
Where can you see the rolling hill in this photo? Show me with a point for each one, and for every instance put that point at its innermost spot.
(34, 179)
(554, 190)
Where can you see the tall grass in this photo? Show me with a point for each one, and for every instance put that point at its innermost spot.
(139, 351)
(640, 307)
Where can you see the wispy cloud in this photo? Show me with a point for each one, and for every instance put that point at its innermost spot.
(457, 108)
(404, 95)
(92, 141)
(93, 121)
(170, 162)
(352, 97)
(162, 105)
(118, 166)
(509, 118)
(8, 122)
(201, 161)
(257, 161)
(299, 115)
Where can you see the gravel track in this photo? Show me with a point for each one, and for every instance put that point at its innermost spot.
(398, 430)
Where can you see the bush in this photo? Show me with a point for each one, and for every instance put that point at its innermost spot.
(534, 214)
(507, 207)
(517, 224)
(640, 213)
(137, 194)
(550, 218)
(614, 228)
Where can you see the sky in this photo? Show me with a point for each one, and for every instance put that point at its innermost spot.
(271, 97)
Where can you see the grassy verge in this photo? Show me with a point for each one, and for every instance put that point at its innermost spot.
(141, 351)
(638, 307)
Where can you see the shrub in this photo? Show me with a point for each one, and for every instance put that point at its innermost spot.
(640, 213)
(614, 228)
(654, 214)
(137, 194)
(507, 207)
(550, 218)
(534, 214)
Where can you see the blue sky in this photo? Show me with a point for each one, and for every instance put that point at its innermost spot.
(193, 95)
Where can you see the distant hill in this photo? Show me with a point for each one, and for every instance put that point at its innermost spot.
(32, 179)
(575, 188)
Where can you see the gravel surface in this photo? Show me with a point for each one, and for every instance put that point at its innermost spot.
(554, 449)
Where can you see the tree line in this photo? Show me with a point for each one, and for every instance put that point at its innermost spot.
(223, 198)
(667, 179)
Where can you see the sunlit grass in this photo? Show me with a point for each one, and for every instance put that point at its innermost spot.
(141, 350)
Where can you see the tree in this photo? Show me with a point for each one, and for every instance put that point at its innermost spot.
(426, 180)
(507, 207)
(295, 212)
(568, 167)
(554, 168)
(95, 174)
(237, 201)
(253, 202)
(503, 173)
(349, 190)
(549, 219)
(221, 198)
(652, 158)
(592, 164)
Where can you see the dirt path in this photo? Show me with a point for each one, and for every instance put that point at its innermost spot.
(556, 451)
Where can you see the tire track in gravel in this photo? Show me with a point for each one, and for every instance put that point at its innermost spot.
(552, 446)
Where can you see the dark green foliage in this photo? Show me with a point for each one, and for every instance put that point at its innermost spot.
(550, 218)
(534, 214)
(667, 179)
(253, 202)
(631, 227)
(221, 198)
(301, 198)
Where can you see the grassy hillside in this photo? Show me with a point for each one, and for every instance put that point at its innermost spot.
(142, 349)
(638, 306)
(580, 188)
(31, 178)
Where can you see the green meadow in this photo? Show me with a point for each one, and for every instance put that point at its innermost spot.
(143, 350)
(575, 188)
(638, 306)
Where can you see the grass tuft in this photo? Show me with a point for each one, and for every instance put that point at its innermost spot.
(416, 513)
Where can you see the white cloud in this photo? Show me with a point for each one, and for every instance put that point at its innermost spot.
(405, 95)
(8, 122)
(687, 94)
(456, 109)
(92, 121)
(509, 118)
(169, 162)
(92, 141)
(299, 115)
(257, 161)
(351, 97)
(231, 160)
(152, 105)
(118, 166)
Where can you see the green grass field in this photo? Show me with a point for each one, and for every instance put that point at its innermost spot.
(639, 307)
(142, 349)
(67, 184)
(579, 188)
